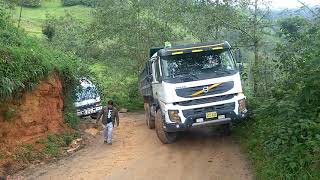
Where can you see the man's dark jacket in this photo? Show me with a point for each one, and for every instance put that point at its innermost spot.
(104, 114)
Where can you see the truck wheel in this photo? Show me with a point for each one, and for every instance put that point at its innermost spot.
(148, 116)
(226, 129)
(94, 116)
(165, 137)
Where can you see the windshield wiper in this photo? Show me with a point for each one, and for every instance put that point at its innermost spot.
(187, 77)
(193, 75)
(224, 71)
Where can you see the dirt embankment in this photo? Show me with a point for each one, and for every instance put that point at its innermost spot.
(31, 117)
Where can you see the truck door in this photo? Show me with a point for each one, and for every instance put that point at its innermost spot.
(156, 72)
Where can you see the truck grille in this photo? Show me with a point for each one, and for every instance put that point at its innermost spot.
(187, 92)
(206, 100)
(223, 108)
(86, 106)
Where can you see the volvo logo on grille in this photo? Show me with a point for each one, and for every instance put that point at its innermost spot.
(206, 89)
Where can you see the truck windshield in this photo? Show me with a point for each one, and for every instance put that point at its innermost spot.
(196, 66)
(86, 93)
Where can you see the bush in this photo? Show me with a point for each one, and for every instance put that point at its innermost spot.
(90, 3)
(48, 29)
(24, 61)
(31, 3)
(4, 12)
(283, 139)
(71, 2)
(27, 153)
(54, 142)
(120, 87)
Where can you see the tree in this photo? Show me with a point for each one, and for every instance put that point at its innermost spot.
(253, 24)
(31, 3)
(206, 20)
(129, 29)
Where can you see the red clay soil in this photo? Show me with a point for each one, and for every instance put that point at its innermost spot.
(31, 117)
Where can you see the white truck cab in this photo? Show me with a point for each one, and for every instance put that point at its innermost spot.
(190, 86)
(88, 102)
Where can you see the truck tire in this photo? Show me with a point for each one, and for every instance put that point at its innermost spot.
(226, 129)
(94, 116)
(148, 116)
(164, 137)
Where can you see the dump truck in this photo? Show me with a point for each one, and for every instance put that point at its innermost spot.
(190, 86)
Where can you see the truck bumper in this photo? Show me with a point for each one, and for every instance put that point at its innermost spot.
(87, 111)
(191, 122)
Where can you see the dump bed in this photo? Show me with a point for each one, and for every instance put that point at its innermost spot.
(145, 80)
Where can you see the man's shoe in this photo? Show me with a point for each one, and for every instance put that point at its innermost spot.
(110, 143)
(105, 141)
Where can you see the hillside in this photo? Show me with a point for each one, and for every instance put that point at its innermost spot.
(36, 98)
(33, 18)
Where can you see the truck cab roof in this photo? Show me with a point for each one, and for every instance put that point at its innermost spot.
(189, 48)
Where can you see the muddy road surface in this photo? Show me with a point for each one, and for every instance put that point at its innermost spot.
(137, 153)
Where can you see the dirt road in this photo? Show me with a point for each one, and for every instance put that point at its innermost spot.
(136, 153)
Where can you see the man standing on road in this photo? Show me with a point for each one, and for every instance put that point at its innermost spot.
(110, 116)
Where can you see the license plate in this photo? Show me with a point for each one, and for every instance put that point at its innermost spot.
(89, 111)
(210, 115)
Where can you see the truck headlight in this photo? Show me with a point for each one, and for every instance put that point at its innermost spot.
(174, 115)
(242, 106)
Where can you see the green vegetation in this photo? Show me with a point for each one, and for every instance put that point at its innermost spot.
(90, 3)
(121, 88)
(9, 113)
(70, 116)
(26, 153)
(281, 60)
(55, 142)
(25, 60)
(33, 18)
(44, 149)
(283, 138)
(31, 3)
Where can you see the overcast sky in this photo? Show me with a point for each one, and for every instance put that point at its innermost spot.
(282, 4)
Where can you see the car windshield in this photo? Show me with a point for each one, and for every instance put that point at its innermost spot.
(195, 65)
(86, 93)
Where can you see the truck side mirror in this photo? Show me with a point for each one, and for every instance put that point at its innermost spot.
(150, 78)
(238, 55)
(241, 68)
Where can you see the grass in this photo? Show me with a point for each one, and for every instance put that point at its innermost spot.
(47, 148)
(26, 153)
(280, 148)
(9, 113)
(33, 18)
(54, 142)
